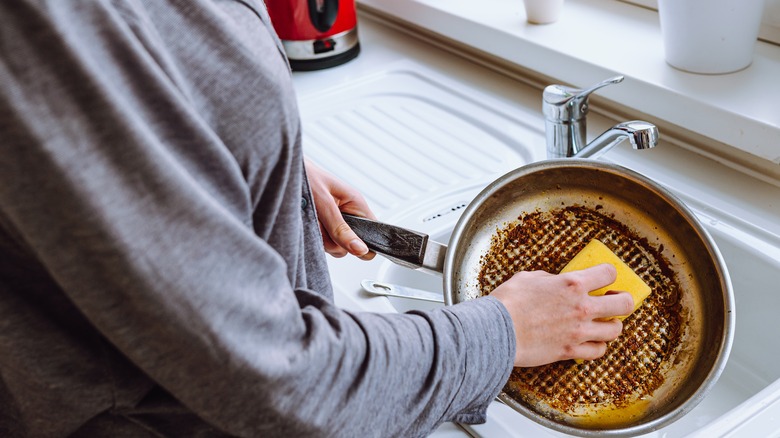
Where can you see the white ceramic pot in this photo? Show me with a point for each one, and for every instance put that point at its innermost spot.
(542, 11)
(710, 36)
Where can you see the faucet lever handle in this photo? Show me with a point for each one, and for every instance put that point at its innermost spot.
(562, 103)
(583, 94)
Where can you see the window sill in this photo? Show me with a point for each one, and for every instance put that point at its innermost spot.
(596, 39)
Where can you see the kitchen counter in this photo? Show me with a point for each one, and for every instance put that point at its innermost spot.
(737, 206)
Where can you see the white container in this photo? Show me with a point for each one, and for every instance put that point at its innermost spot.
(710, 36)
(542, 11)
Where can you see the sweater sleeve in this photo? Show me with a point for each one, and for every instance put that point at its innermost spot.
(129, 218)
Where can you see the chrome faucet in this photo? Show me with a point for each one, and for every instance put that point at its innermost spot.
(565, 110)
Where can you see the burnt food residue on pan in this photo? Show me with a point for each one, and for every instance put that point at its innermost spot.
(632, 368)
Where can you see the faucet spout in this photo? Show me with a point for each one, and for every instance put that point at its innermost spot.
(642, 135)
(565, 110)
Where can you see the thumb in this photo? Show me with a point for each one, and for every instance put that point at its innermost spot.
(340, 232)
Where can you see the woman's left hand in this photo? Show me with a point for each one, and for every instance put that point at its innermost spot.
(331, 197)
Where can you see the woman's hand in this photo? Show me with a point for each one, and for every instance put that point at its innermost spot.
(556, 319)
(331, 197)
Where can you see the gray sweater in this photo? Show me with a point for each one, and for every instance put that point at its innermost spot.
(161, 270)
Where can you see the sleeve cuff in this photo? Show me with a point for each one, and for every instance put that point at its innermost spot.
(489, 340)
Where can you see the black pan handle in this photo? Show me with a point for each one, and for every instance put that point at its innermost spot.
(404, 246)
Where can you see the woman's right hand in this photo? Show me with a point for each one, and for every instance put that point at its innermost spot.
(556, 319)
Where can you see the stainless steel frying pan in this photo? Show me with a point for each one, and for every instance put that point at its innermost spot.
(654, 216)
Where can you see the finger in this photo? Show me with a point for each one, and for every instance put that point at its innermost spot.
(330, 246)
(343, 236)
(604, 330)
(613, 304)
(339, 232)
(592, 278)
(587, 351)
(529, 275)
(368, 256)
(358, 207)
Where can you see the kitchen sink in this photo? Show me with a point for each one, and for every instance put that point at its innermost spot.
(420, 146)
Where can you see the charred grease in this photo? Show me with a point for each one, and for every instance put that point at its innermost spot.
(616, 389)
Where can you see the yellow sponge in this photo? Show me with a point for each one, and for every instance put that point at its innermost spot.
(596, 253)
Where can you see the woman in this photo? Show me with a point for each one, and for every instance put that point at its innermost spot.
(163, 268)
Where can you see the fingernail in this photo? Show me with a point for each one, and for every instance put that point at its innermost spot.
(357, 247)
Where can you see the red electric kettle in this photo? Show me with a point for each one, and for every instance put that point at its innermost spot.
(316, 34)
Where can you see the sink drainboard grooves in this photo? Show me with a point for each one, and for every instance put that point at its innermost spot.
(404, 147)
